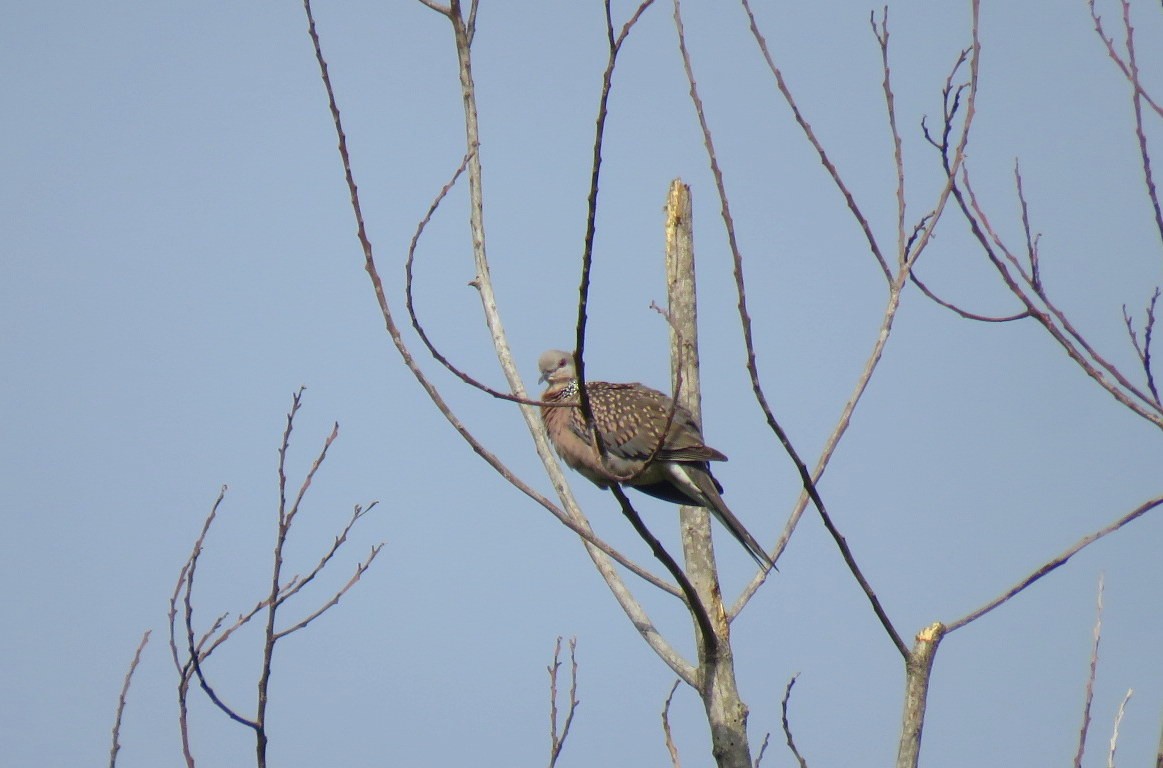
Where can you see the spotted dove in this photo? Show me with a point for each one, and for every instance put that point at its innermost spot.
(630, 419)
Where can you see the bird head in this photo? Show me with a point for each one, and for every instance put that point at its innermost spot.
(556, 366)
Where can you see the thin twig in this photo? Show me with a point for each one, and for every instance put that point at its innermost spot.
(762, 749)
(1130, 69)
(360, 569)
(123, 698)
(1035, 299)
(185, 668)
(196, 656)
(1049, 566)
(882, 34)
(1089, 698)
(667, 735)
(294, 586)
(1110, 758)
(1144, 351)
(409, 301)
(791, 743)
(964, 312)
(557, 742)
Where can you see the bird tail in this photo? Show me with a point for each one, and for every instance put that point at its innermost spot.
(708, 489)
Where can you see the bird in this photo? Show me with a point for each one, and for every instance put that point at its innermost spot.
(630, 419)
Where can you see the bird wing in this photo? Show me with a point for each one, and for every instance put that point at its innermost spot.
(631, 418)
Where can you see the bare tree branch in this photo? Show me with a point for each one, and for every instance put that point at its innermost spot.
(709, 639)
(196, 657)
(572, 517)
(917, 245)
(671, 749)
(1049, 566)
(783, 708)
(360, 569)
(1089, 698)
(196, 652)
(1029, 289)
(443, 10)
(121, 700)
(1130, 70)
(762, 749)
(1144, 351)
(881, 33)
(964, 312)
(1110, 758)
(557, 741)
(296, 584)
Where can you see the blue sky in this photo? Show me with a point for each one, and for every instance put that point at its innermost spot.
(178, 256)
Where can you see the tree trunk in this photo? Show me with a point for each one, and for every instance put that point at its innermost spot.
(726, 712)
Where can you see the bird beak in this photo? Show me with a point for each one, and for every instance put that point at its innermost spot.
(543, 378)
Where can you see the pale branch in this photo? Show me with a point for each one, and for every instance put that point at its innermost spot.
(602, 559)
(1110, 758)
(124, 697)
(1054, 563)
(1089, 695)
(668, 737)
(726, 713)
(443, 10)
(882, 34)
(787, 734)
(573, 518)
(557, 740)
